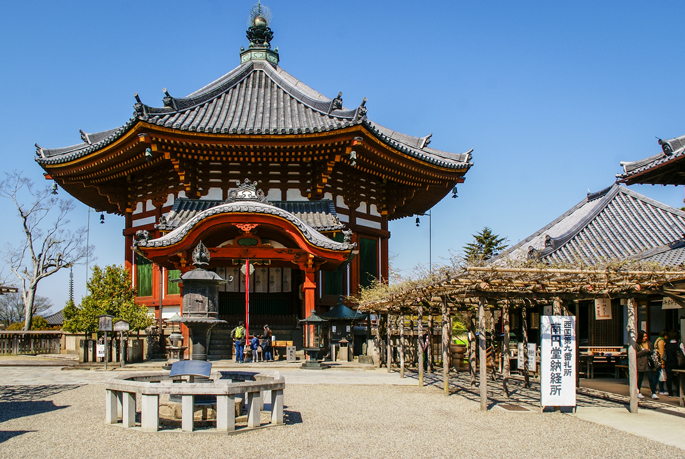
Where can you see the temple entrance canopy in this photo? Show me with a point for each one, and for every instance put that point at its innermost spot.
(246, 227)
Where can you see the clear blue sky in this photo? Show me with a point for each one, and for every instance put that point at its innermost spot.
(550, 95)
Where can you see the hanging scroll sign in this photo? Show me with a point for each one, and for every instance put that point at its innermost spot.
(558, 361)
(603, 309)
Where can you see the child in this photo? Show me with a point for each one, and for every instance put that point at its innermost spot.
(254, 344)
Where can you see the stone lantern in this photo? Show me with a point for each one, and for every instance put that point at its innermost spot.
(200, 302)
(313, 340)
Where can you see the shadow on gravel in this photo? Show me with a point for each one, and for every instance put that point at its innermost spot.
(20, 401)
(7, 434)
(292, 417)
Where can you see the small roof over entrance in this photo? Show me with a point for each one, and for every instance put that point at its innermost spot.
(246, 226)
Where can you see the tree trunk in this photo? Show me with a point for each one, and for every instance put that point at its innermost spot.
(505, 347)
(556, 306)
(29, 299)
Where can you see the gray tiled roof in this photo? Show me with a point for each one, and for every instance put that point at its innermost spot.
(55, 319)
(615, 223)
(320, 215)
(258, 98)
(673, 150)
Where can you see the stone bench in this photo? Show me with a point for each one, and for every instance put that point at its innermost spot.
(121, 397)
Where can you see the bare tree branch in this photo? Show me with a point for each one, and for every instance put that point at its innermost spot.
(48, 245)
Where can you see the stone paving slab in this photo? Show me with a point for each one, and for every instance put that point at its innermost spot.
(652, 424)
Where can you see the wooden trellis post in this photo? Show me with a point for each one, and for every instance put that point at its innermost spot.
(505, 347)
(429, 354)
(632, 358)
(472, 347)
(418, 342)
(389, 343)
(482, 355)
(524, 327)
(401, 330)
(445, 347)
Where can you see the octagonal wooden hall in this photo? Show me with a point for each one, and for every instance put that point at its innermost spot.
(330, 166)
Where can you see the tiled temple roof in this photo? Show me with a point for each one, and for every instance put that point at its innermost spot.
(56, 318)
(257, 98)
(673, 151)
(320, 215)
(615, 223)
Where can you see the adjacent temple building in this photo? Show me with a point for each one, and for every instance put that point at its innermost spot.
(257, 166)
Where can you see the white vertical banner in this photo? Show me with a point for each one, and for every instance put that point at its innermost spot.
(530, 355)
(532, 360)
(558, 361)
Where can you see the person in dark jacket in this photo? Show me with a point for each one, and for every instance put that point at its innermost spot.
(671, 362)
(266, 344)
(645, 364)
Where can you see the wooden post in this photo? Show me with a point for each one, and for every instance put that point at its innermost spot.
(445, 347)
(482, 356)
(429, 354)
(632, 359)
(401, 329)
(472, 347)
(556, 308)
(378, 341)
(389, 343)
(505, 347)
(418, 341)
(524, 328)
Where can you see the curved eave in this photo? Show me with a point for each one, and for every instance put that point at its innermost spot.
(95, 153)
(184, 236)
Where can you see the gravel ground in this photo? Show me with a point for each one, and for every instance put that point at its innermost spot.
(323, 421)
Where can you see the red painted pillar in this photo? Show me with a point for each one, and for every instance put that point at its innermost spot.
(309, 291)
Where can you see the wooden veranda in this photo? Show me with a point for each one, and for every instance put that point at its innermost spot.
(475, 289)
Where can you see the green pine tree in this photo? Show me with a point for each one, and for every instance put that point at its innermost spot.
(110, 292)
(485, 246)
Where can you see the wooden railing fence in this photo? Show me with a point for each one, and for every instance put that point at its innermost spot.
(31, 342)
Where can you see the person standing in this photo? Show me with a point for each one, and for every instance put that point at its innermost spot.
(266, 344)
(671, 362)
(645, 364)
(238, 335)
(660, 347)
